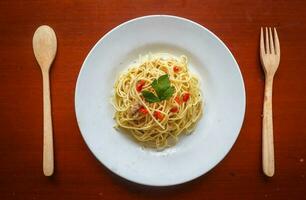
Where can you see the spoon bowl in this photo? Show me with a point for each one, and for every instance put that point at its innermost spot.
(44, 46)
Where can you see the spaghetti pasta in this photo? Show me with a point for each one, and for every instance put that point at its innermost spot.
(157, 122)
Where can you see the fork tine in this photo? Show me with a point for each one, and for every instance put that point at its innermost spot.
(262, 45)
(267, 42)
(277, 46)
(271, 41)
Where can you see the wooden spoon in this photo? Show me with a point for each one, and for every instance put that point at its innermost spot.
(44, 46)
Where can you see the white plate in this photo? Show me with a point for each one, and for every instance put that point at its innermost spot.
(221, 83)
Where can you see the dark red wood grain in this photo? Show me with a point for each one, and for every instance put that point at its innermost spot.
(78, 25)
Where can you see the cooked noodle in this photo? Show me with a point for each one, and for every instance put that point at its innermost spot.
(177, 116)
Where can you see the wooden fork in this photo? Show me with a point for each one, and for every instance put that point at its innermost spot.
(269, 57)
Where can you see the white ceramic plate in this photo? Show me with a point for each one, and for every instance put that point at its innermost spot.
(221, 83)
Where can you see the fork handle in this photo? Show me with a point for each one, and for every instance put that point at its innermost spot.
(267, 130)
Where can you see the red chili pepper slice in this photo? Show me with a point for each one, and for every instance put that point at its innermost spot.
(186, 96)
(139, 85)
(176, 69)
(143, 110)
(158, 115)
(178, 100)
(174, 109)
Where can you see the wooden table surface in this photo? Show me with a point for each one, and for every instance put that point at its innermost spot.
(78, 25)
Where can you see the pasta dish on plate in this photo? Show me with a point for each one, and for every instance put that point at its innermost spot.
(157, 100)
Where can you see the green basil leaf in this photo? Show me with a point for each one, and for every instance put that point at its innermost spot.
(161, 84)
(167, 93)
(164, 81)
(154, 84)
(150, 97)
(162, 88)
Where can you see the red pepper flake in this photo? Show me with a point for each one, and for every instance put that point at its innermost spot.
(158, 115)
(176, 69)
(164, 70)
(174, 109)
(139, 85)
(143, 110)
(178, 100)
(186, 96)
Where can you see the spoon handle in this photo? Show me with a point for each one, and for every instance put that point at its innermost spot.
(48, 161)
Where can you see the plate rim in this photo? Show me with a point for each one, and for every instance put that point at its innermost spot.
(173, 17)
